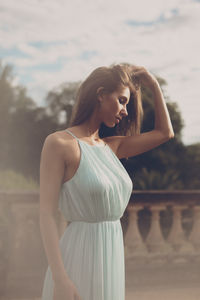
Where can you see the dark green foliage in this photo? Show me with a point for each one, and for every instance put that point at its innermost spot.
(24, 127)
(166, 166)
(190, 166)
(62, 100)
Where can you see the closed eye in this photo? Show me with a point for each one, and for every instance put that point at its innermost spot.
(122, 101)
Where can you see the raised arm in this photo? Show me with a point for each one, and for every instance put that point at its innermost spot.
(162, 132)
(51, 175)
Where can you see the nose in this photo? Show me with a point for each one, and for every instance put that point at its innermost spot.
(124, 111)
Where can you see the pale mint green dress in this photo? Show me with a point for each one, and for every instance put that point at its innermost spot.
(92, 246)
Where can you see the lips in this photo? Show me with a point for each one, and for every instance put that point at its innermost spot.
(118, 119)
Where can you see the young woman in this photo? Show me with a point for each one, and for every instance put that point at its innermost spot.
(81, 175)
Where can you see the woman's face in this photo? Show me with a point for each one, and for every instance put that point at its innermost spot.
(113, 106)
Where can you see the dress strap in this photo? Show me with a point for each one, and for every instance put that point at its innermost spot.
(72, 134)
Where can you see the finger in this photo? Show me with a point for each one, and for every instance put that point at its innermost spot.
(139, 72)
(137, 68)
(136, 74)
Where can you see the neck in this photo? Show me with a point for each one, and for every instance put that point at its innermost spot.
(91, 129)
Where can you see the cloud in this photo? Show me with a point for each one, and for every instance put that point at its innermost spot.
(50, 42)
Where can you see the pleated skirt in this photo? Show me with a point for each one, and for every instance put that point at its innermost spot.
(93, 256)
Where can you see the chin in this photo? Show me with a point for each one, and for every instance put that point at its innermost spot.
(112, 125)
(109, 124)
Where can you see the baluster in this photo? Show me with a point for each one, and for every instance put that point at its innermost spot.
(4, 246)
(176, 236)
(194, 236)
(25, 254)
(134, 244)
(155, 241)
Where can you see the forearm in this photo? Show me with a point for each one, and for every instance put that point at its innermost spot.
(49, 233)
(162, 118)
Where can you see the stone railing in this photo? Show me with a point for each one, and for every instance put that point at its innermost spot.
(163, 225)
(156, 224)
(22, 260)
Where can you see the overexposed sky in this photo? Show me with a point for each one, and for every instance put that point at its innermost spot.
(51, 42)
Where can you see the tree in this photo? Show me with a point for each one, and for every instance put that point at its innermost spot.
(61, 100)
(153, 180)
(190, 166)
(23, 127)
(161, 161)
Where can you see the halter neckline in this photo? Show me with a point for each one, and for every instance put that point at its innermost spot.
(96, 145)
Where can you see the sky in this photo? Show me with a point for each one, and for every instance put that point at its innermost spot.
(51, 42)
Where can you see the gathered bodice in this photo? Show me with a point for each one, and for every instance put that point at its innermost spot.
(99, 190)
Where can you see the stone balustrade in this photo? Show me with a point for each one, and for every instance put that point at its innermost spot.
(181, 211)
(157, 225)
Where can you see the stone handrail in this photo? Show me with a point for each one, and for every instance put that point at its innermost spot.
(161, 225)
(178, 243)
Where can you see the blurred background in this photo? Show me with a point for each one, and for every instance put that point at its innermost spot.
(46, 49)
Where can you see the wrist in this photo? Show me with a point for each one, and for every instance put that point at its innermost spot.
(154, 85)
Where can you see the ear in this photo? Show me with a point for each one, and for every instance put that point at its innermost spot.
(100, 93)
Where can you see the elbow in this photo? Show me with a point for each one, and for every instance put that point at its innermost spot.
(172, 135)
(169, 135)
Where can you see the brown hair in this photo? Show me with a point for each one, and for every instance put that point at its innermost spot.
(110, 78)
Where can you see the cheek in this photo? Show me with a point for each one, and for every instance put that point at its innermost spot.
(112, 107)
(113, 104)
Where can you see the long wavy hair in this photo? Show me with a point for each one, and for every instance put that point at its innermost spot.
(111, 79)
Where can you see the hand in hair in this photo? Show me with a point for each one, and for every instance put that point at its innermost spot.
(141, 76)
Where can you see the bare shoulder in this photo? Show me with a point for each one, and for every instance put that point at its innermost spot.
(59, 142)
